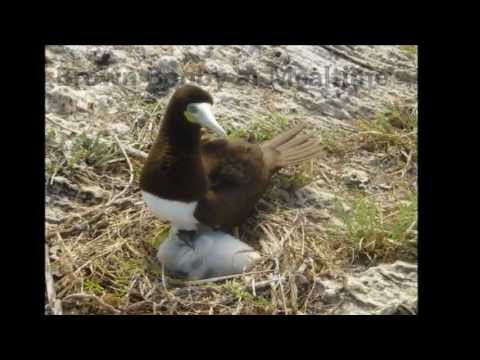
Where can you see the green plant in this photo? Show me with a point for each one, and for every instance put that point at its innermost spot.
(401, 229)
(393, 130)
(239, 292)
(160, 236)
(124, 273)
(334, 142)
(372, 234)
(263, 128)
(293, 180)
(93, 287)
(91, 151)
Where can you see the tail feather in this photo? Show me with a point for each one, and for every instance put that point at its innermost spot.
(306, 154)
(290, 148)
(297, 140)
(283, 137)
(293, 150)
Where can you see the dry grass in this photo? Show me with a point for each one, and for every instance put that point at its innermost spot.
(102, 252)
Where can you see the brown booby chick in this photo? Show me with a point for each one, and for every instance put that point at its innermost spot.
(216, 183)
(205, 254)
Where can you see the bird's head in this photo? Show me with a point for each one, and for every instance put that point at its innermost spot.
(194, 105)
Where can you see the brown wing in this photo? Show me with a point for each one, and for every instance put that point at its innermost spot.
(238, 178)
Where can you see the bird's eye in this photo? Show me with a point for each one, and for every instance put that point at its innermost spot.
(192, 108)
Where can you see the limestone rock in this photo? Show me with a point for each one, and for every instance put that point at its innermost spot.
(385, 289)
(311, 196)
(164, 75)
(355, 177)
(406, 76)
(102, 57)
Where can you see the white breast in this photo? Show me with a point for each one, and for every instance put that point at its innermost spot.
(180, 214)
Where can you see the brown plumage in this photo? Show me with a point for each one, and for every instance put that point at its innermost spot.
(227, 177)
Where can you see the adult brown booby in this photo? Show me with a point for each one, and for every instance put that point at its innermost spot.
(217, 183)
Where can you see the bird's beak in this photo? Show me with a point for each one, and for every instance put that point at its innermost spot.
(205, 117)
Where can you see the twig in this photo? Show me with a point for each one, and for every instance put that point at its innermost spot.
(408, 134)
(78, 227)
(56, 120)
(153, 112)
(293, 293)
(284, 300)
(164, 283)
(109, 250)
(54, 304)
(132, 250)
(130, 288)
(92, 297)
(340, 124)
(220, 278)
(409, 159)
(129, 89)
(303, 237)
(130, 181)
(138, 154)
(263, 284)
(325, 177)
(52, 220)
(375, 132)
(139, 304)
(412, 225)
(308, 298)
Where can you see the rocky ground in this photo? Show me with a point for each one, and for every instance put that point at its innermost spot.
(338, 234)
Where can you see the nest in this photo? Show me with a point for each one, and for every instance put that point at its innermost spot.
(101, 244)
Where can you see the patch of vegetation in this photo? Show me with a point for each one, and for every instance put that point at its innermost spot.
(291, 180)
(154, 108)
(50, 137)
(373, 234)
(238, 291)
(92, 152)
(335, 142)
(137, 169)
(53, 148)
(263, 129)
(51, 167)
(92, 286)
(161, 235)
(393, 131)
(124, 273)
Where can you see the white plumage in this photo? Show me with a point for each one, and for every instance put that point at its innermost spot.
(205, 254)
(180, 214)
